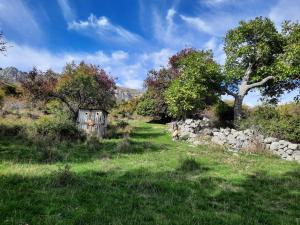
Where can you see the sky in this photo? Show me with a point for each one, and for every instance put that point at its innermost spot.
(127, 38)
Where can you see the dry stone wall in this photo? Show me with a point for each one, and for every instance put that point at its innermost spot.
(201, 132)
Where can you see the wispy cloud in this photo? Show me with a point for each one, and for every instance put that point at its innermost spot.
(130, 69)
(197, 23)
(214, 2)
(103, 29)
(17, 17)
(66, 9)
(285, 10)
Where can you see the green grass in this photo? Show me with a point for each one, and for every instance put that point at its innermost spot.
(153, 181)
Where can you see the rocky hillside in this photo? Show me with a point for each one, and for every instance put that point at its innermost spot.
(10, 74)
(125, 94)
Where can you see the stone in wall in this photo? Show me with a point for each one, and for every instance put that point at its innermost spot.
(201, 132)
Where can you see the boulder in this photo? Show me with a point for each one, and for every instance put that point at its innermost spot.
(293, 146)
(289, 151)
(269, 140)
(218, 140)
(274, 146)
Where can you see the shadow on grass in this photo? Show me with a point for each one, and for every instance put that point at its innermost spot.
(143, 197)
(146, 133)
(21, 151)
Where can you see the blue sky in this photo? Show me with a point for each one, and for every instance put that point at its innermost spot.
(125, 37)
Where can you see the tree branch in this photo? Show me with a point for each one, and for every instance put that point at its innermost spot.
(247, 73)
(260, 83)
(227, 91)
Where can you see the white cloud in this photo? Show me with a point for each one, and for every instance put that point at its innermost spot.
(285, 10)
(16, 16)
(215, 25)
(103, 29)
(129, 69)
(66, 9)
(211, 43)
(214, 2)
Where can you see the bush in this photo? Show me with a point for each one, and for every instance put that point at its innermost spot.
(63, 177)
(125, 109)
(12, 128)
(124, 145)
(122, 124)
(189, 165)
(119, 129)
(280, 122)
(146, 107)
(47, 153)
(56, 128)
(93, 143)
(221, 114)
(2, 95)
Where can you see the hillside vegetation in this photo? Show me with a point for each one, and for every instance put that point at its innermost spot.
(145, 178)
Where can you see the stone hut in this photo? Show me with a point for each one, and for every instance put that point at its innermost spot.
(93, 121)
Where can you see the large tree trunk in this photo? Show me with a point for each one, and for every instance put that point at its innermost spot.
(238, 108)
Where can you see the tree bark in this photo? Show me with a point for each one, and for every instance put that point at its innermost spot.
(238, 110)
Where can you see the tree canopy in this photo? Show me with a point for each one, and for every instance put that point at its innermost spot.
(197, 86)
(183, 87)
(79, 86)
(259, 56)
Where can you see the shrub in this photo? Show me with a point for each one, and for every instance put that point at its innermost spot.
(122, 124)
(12, 128)
(2, 95)
(63, 177)
(47, 153)
(146, 107)
(125, 109)
(189, 165)
(56, 128)
(118, 129)
(93, 143)
(281, 121)
(124, 145)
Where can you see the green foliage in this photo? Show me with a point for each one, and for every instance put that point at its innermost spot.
(13, 128)
(79, 86)
(154, 102)
(146, 106)
(258, 45)
(125, 109)
(197, 86)
(11, 89)
(225, 113)
(86, 86)
(2, 95)
(281, 121)
(63, 177)
(189, 164)
(122, 123)
(56, 107)
(53, 128)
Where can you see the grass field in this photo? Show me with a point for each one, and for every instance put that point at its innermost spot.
(151, 180)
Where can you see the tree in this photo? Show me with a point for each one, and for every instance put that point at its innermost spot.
(197, 86)
(156, 83)
(258, 56)
(79, 86)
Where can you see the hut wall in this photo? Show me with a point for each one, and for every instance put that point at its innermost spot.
(93, 122)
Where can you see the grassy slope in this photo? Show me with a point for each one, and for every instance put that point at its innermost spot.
(147, 185)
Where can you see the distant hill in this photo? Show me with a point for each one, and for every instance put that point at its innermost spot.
(13, 75)
(125, 94)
